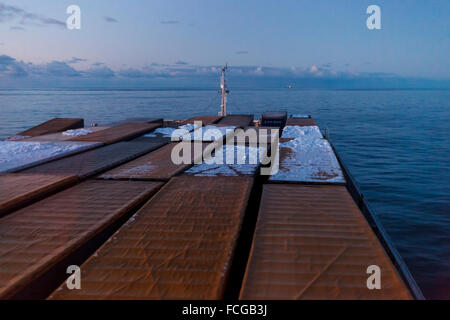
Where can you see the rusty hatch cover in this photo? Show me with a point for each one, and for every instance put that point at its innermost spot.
(312, 242)
(178, 246)
(34, 239)
(95, 161)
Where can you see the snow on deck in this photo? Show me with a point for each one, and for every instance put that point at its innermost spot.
(133, 173)
(17, 138)
(242, 161)
(77, 132)
(65, 135)
(308, 157)
(307, 133)
(18, 155)
(209, 133)
(169, 132)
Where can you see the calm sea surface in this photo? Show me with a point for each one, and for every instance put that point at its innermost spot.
(395, 143)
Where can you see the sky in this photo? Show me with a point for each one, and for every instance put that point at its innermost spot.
(266, 43)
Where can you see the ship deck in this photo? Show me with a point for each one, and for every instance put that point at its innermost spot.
(143, 227)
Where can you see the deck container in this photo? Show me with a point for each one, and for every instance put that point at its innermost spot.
(306, 157)
(39, 242)
(63, 136)
(179, 245)
(52, 126)
(301, 122)
(263, 134)
(206, 120)
(156, 165)
(228, 165)
(172, 131)
(134, 120)
(274, 119)
(237, 120)
(18, 190)
(312, 242)
(96, 161)
(210, 133)
(118, 133)
(20, 155)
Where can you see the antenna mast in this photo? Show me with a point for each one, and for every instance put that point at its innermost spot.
(224, 91)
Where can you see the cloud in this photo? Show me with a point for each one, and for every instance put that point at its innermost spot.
(241, 52)
(10, 13)
(170, 22)
(133, 73)
(51, 21)
(10, 67)
(57, 73)
(111, 19)
(16, 28)
(180, 69)
(61, 69)
(102, 72)
(6, 60)
(75, 60)
(17, 70)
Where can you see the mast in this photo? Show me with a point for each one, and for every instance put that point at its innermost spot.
(224, 91)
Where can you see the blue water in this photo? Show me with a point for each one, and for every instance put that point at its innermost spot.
(395, 143)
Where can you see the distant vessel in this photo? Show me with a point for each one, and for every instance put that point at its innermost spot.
(290, 86)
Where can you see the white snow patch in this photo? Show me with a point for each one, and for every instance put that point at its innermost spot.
(245, 162)
(209, 133)
(17, 155)
(77, 132)
(169, 132)
(304, 132)
(165, 132)
(189, 126)
(134, 172)
(211, 170)
(17, 138)
(307, 158)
